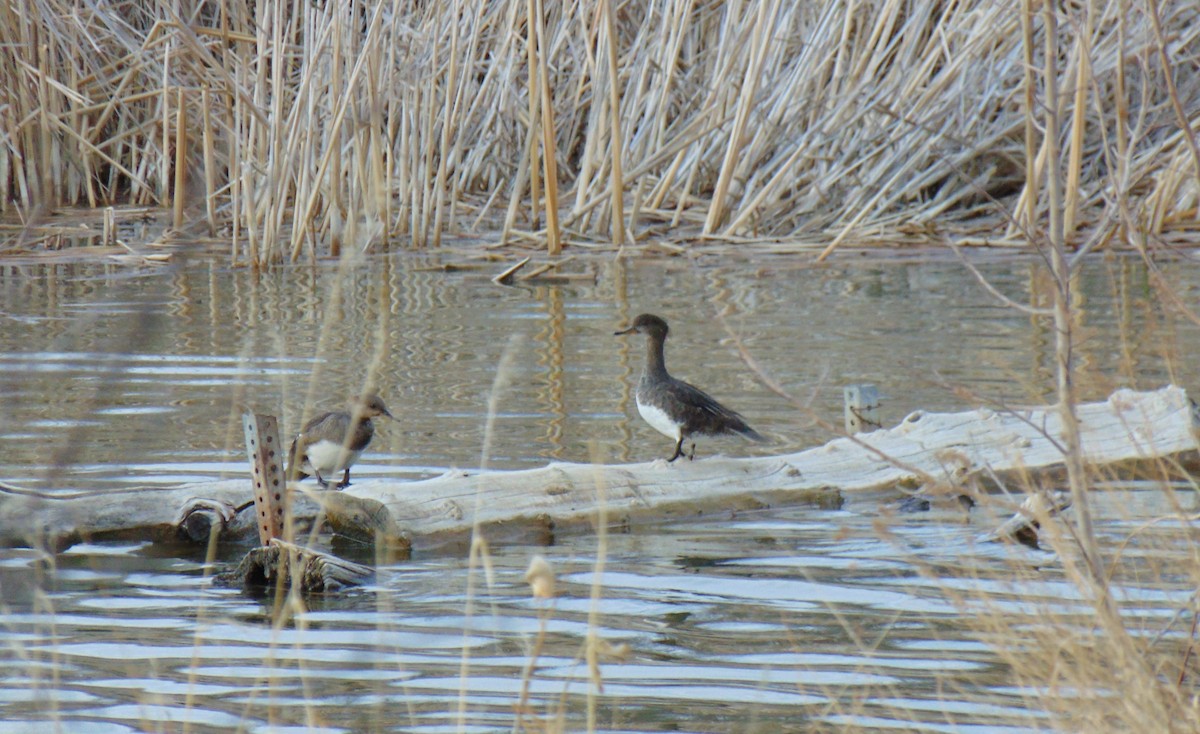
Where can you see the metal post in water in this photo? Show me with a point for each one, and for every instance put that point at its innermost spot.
(861, 408)
(270, 491)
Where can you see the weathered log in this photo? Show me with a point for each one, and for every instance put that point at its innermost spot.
(925, 449)
(55, 522)
(200, 517)
(282, 564)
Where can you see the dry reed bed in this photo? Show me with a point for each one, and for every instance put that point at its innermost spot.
(294, 126)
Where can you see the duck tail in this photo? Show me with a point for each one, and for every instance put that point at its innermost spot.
(752, 435)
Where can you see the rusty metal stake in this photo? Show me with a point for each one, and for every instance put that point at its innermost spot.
(266, 463)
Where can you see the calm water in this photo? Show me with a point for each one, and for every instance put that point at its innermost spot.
(781, 619)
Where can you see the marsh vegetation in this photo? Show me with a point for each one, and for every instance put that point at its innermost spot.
(401, 150)
(294, 129)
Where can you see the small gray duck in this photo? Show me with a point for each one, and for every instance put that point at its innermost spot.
(673, 407)
(333, 441)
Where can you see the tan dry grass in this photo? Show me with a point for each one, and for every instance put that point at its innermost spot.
(1090, 668)
(308, 128)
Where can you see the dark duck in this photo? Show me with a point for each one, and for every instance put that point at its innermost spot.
(673, 407)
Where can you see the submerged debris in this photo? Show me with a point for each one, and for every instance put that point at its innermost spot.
(282, 564)
(1024, 526)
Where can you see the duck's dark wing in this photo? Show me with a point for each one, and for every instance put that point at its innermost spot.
(704, 415)
(326, 425)
(335, 427)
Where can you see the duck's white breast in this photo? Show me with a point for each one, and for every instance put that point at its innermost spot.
(659, 420)
(328, 456)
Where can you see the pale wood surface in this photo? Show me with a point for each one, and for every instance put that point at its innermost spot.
(924, 448)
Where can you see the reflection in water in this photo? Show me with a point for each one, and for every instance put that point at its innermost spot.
(794, 618)
(88, 343)
(552, 363)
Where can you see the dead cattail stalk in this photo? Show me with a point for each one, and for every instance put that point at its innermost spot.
(181, 145)
(549, 147)
(334, 143)
(210, 161)
(449, 84)
(1083, 82)
(1028, 212)
(616, 148)
(164, 157)
(46, 176)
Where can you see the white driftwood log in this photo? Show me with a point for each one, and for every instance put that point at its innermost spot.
(925, 448)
